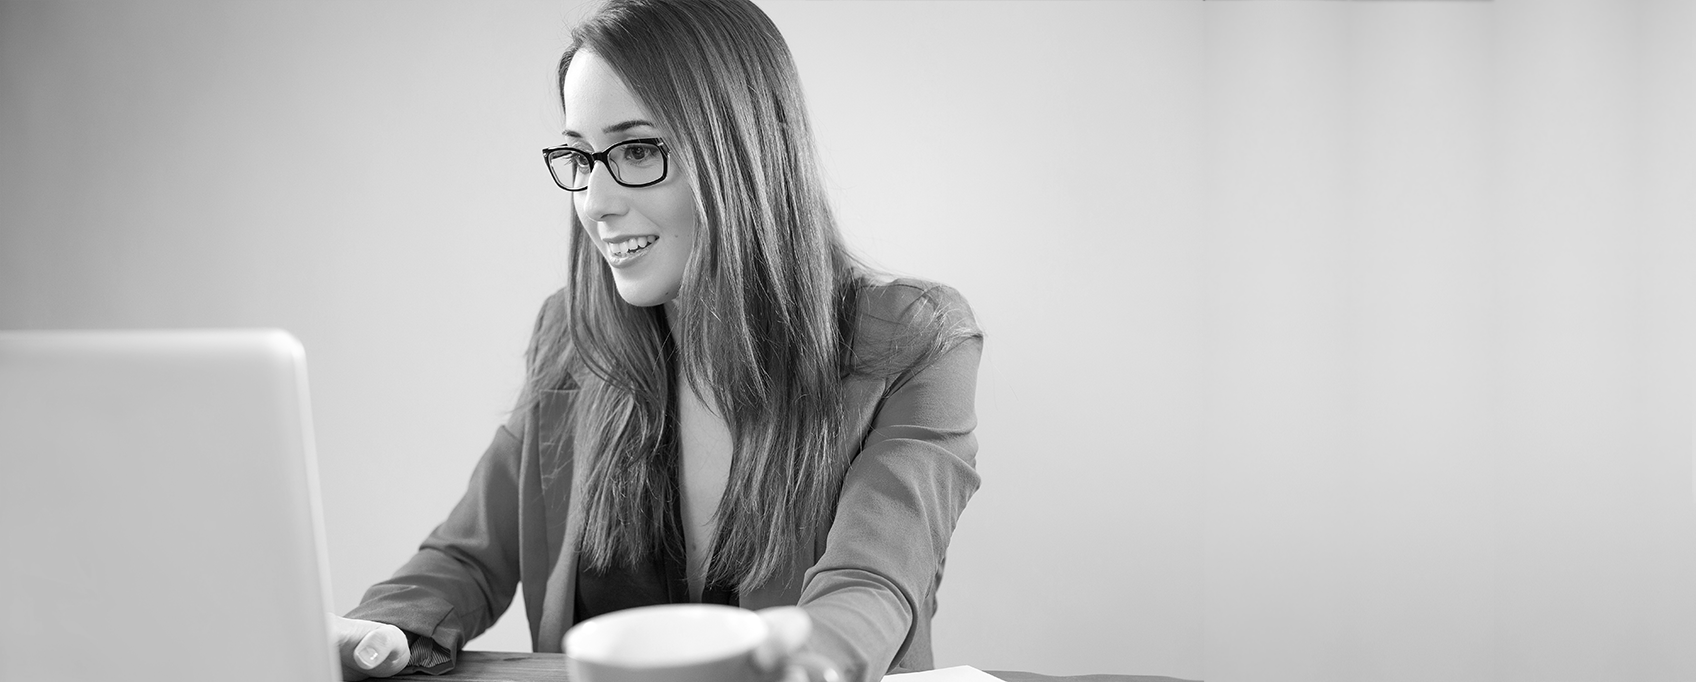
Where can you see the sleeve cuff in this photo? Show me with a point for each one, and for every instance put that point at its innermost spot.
(428, 657)
(432, 640)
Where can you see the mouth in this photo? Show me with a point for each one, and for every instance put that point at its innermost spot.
(626, 250)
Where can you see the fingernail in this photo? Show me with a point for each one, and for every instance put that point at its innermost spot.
(368, 656)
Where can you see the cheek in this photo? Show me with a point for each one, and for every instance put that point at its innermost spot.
(577, 210)
(680, 216)
(590, 236)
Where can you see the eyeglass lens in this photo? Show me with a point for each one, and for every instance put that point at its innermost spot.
(631, 163)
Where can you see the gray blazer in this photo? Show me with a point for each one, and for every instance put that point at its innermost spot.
(869, 584)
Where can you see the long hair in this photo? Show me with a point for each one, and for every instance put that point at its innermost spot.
(767, 304)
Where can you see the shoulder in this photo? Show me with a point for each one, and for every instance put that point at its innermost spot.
(908, 301)
(553, 308)
(550, 357)
(900, 324)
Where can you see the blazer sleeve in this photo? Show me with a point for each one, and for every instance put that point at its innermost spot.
(465, 572)
(872, 590)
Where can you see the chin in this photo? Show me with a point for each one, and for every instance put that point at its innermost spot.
(645, 296)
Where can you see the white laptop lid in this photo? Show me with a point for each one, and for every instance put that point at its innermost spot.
(159, 509)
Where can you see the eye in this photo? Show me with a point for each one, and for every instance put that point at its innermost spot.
(579, 160)
(639, 154)
(568, 158)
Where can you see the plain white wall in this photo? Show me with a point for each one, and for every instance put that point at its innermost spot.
(366, 175)
(1357, 347)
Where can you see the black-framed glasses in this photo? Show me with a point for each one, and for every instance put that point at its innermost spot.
(634, 163)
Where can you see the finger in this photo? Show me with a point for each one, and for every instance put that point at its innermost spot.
(345, 635)
(382, 652)
(789, 627)
(355, 653)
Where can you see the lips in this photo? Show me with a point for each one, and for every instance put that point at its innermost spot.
(622, 251)
(631, 246)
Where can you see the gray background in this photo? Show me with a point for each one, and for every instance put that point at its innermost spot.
(1326, 340)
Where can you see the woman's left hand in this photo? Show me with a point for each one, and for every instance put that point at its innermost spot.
(790, 628)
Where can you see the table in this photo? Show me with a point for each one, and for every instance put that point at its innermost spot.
(494, 666)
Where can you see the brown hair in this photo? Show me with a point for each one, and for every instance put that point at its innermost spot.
(767, 305)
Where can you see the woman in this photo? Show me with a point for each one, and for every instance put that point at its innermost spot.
(722, 405)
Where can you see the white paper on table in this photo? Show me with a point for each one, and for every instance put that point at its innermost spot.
(959, 673)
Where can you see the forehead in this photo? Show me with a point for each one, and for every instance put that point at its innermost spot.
(595, 97)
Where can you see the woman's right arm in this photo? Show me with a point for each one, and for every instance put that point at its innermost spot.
(463, 576)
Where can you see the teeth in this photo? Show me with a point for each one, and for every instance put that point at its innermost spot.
(631, 244)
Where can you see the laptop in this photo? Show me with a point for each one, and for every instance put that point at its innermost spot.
(159, 513)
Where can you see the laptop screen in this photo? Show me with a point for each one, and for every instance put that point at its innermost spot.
(158, 508)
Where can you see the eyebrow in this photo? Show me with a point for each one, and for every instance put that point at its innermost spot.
(616, 127)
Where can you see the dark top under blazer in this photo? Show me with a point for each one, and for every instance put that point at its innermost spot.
(869, 584)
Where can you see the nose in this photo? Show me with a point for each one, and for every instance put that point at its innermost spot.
(603, 198)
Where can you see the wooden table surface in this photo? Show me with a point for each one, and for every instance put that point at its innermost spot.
(493, 666)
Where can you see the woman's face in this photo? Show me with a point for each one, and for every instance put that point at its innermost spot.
(645, 234)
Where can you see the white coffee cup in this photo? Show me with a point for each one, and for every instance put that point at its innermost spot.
(687, 643)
